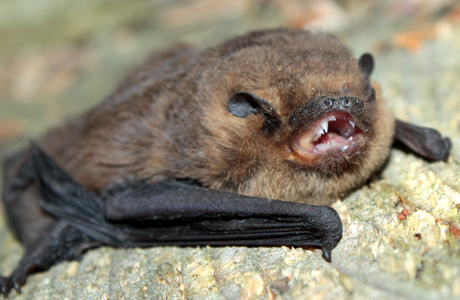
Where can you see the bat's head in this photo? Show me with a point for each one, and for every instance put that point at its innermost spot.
(329, 131)
(302, 114)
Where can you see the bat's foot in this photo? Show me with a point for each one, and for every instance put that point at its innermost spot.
(62, 242)
(18, 278)
(6, 285)
(15, 280)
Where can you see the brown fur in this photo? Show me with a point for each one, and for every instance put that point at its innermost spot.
(171, 119)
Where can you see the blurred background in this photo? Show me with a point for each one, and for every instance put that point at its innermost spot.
(58, 57)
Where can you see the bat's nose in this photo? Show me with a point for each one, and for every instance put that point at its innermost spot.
(337, 104)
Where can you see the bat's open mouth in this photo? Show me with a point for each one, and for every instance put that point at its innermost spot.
(336, 134)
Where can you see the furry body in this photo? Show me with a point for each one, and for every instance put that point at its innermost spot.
(171, 119)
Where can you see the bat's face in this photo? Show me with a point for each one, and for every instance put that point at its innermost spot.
(327, 128)
(303, 125)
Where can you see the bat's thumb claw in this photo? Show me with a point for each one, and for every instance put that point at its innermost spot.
(327, 252)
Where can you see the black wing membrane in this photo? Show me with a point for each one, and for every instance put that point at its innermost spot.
(177, 213)
(171, 212)
(426, 142)
(61, 242)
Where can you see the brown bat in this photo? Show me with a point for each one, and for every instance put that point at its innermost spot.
(192, 148)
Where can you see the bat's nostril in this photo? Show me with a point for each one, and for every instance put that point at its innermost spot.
(345, 102)
(327, 103)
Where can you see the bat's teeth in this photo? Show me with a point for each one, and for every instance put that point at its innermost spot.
(332, 118)
(319, 132)
(344, 148)
(352, 123)
(325, 125)
(322, 147)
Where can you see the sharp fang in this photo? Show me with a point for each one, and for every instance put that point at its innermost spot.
(344, 148)
(332, 118)
(325, 126)
(352, 123)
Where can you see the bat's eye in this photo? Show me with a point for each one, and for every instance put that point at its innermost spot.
(244, 104)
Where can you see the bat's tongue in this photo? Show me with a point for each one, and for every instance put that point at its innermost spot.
(336, 131)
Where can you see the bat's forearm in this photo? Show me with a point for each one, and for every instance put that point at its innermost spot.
(175, 213)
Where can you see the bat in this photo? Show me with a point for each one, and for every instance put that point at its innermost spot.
(244, 143)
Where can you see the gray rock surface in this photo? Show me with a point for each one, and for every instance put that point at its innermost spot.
(379, 256)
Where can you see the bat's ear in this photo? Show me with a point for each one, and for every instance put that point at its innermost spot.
(366, 64)
(244, 104)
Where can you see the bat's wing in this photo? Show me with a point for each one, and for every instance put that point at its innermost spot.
(176, 213)
(424, 141)
(166, 213)
(59, 241)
